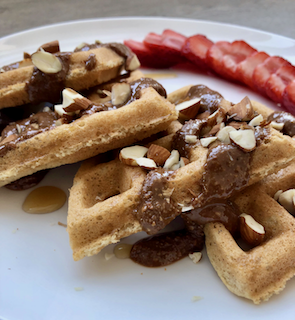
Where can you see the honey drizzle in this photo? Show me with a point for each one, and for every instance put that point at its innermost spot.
(122, 250)
(44, 200)
(161, 75)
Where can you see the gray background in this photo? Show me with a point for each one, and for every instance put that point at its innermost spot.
(268, 15)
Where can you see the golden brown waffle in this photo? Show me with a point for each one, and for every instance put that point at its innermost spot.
(88, 136)
(259, 273)
(84, 210)
(13, 90)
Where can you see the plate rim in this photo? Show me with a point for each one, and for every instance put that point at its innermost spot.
(125, 18)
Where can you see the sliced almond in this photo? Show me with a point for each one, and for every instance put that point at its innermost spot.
(256, 121)
(121, 92)
(25, 63)
(245, 139)
(173, 159)
(189, 109)
(185, 161)
(277, 195)
(223, 134)
(286, 199)
(206, 141)
(146, 163)
(51, 47)
(242, 111)
(27, 55)
(190, 138)
(251, 231)
(276, 125)
(158, 154)
(215, 129)
(46, 62)
(195, 257)
(132, 63)
(129, 155)
(9, 139)
(185, 207)
(203, 115)
(78, 105)
(217, 117)
(72, 103)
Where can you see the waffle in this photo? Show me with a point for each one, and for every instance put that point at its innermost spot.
(14, 83)
(88, 136)
(86, 210)
(260, 272)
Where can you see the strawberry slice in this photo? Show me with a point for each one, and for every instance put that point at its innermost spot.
(239, 51)
(263, 71)
(215, 55)
(173, 40)
(277, 82)
(146, 56)
(195, 49)
(289, 97)
(245, 68)
(164, 48)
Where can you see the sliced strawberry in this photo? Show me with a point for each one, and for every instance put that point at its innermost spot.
(146, 56)
(264, 70)
(215, 55)
(289, 97)
(239, 51)
(164, 49)
(245, 68)
(173, 40)
(195, 49)
(277, 82)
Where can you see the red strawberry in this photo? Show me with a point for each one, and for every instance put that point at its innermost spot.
(289, 97)
(173, 40)
(164, 49)
(195, 49)
(239, 51)
(277, 82)
(146, 56)
(215, 55)
(245, 69)
(264, 70)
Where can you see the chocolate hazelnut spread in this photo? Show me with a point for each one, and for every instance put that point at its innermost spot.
(48, 86)
(90, 63)
(210, 99)
(226, 171)
(136, 87)
(191, 127)
(223, 211)
(26, 129)
(165, 248)
(286, 118)
(119, 48)
(27, 182)
(11, 66)
(156, 208)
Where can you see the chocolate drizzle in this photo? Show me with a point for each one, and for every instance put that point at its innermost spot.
(156, 208)
(165, 248)
(90, 63)
(25, 129)
(226, 171)
(136, 87)
(48, 86)
(286, 118)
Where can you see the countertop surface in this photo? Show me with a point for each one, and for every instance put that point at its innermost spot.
(268, 15)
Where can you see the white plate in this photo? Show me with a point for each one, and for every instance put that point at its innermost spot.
(38, 276)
